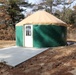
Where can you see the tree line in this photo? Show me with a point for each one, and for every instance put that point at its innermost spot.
(11, 10)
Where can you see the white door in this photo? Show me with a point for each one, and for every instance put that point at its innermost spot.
(28, 36)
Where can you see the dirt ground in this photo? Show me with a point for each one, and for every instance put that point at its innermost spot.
(54, 61)
(7, 43)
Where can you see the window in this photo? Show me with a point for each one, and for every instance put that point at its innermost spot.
(28, 30)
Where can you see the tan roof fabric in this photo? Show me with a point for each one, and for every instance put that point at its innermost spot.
(41, 18)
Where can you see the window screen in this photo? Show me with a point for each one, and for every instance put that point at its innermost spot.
(28, 30)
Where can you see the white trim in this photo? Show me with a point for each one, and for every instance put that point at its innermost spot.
(32, 35)
(23, 35)
(28, 39)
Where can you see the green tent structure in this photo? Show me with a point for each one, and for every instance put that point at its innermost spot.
(41, 29)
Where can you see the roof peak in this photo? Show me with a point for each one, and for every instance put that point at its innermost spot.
(41, 17)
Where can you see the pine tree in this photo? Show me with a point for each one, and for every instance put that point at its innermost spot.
(14, 11)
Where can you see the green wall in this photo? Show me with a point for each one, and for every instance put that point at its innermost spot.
(19, 35)
(49, 36)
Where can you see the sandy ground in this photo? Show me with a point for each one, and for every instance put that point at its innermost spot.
(9, 43)
(54, 61)
(6, 43)
(74, 40)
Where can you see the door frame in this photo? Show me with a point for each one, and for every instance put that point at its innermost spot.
(25, 37)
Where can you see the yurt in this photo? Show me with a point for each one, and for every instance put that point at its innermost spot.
(41, 29)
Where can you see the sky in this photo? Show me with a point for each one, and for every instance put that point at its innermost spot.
(38, 1)
(34, 1)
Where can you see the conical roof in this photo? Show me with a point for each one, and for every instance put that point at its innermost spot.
(41, 18)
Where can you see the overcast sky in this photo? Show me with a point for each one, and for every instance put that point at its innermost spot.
(38, 1)
(34, 1)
